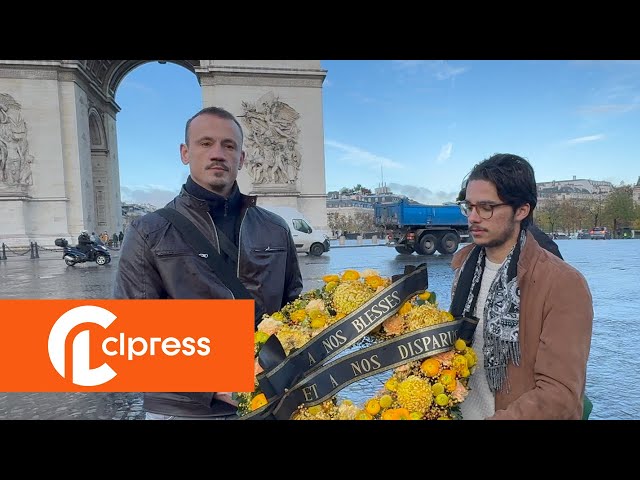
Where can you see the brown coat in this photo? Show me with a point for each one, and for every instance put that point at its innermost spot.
(556, 318)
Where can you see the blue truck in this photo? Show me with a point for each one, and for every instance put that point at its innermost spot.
(424, 229)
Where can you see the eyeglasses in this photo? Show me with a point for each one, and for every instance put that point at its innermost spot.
(484, 210)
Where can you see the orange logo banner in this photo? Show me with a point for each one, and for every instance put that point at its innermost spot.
(126, 345)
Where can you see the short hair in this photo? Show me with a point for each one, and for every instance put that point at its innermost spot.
(513, 177)
(216, 112)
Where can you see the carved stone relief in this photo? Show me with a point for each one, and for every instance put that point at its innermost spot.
(271, 141)
(15, 161)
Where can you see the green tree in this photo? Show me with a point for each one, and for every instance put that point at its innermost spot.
(619, 210)
(549, 216)
(595, 206)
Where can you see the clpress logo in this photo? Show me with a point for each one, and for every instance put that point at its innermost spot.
(126, 345)
(82, 373)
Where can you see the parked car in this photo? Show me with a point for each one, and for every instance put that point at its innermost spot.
(307, 239)
(600, 233)
(583, 234)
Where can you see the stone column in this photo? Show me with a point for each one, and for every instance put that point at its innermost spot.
(279, 105)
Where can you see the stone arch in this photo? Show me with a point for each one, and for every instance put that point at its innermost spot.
(121, 68)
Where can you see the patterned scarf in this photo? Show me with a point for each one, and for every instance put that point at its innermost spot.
(501, 311)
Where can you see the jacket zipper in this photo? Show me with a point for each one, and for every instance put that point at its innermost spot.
(215, 233)
(240, 240)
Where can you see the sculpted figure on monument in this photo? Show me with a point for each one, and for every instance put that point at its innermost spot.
(15, 161)
(271, 141)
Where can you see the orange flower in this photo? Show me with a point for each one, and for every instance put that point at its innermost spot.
(258, 401)
(448, 379)
(374, 281)
(430, 367)
(330, 278)
(350, 275)
(396, 414)
(373, 406)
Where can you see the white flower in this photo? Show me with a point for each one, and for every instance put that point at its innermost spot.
(315, 304)
(369, 272)
(269, 325)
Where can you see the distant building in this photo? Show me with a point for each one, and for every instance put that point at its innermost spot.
(134, 210)
(355, 205)
(576, 189)
(351, 202)
(636, 192)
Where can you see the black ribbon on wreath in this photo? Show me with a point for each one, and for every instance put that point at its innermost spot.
(308, 377)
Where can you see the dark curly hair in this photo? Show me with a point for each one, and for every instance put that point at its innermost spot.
(513, 177)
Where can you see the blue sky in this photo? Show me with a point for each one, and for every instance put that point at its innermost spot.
(423, 123)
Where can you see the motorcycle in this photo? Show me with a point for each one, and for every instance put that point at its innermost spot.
(73, 255)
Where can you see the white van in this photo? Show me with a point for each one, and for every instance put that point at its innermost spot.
(307, 240)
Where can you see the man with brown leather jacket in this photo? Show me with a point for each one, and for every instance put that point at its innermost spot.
(528, 314)
(157, 263)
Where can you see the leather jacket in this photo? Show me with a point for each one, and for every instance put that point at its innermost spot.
(156, 263)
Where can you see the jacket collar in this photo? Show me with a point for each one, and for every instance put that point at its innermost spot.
(527, 257)
(194, 200)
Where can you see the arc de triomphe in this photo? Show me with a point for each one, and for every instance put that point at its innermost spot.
(59, 170)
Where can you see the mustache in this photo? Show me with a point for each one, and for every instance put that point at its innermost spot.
(221, 165)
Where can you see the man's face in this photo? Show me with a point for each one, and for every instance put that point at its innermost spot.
(214, 153)
(503, 226)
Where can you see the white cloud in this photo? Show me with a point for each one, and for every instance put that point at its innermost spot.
(423, 194)
(156, 195)
(359, 157)
(133, 85)
(439, 69)
(610, 108)
(445, 153)
(590, 138)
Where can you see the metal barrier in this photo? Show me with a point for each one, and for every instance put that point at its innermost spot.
(34, 250)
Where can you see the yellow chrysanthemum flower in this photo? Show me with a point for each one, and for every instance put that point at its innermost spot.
(414, 394)
(347, 297)
(423, 316)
